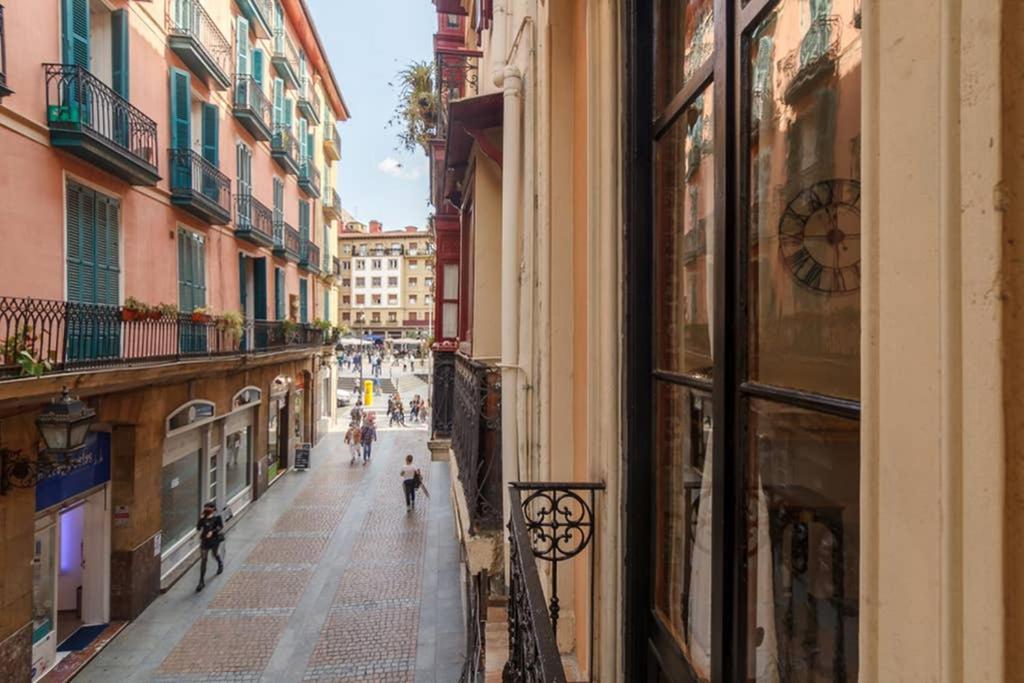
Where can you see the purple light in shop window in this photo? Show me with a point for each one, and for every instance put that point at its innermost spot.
(70, 539)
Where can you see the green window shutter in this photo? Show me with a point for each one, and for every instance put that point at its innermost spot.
(185, 301)
(327, 305)
(75, 230)
(242, 281)
(278, 198)
(303, 305)
(211, 137)
(88, 243)
(289, 108)
(242, 46)
(75, 34)
(199, 261)
(108, 270)
(303, 127)
(278, 102)
(257, 67)
(279, 293)
(303, 219)
(181, 105)
(119, 49)
(259, 287)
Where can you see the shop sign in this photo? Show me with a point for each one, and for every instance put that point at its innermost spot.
(93, 471)
(302, 456)
(121, 515)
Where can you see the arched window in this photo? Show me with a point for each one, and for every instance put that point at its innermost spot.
(191, 413)
(245, 397)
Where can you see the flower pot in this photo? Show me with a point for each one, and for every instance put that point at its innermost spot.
(200, 318)
(128, 314)
(153, 315)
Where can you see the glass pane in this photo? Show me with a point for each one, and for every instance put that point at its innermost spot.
(803, 532)
(682, 588)
(451, 281)
(684, 38)
(180, 498)
(449, 321)
(684, 195)
(236, 463)
(805, 198)
(43, 584)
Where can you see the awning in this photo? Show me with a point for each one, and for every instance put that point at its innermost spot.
(468, 119)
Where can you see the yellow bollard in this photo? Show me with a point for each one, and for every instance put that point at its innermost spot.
(367, 393)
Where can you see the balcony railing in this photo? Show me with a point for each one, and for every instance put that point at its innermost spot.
(4, 90)
(199, 186)
(39, 336)
(309, 255)
(814, 58)
(308, 103)
(254, 221)
(335, 266)
(285, 150)
(285, 58)
(457, 73)
(272, 334)
(286, 240)
(476, 440)
(90, 120)
(332, 142)
(194, 37)
(309, 178)
(331, 202)
(325, 264)
(251, 107)
(259, 13)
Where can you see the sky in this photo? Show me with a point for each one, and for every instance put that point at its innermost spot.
(368, 43)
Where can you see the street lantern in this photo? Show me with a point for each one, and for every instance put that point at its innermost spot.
(64, 423)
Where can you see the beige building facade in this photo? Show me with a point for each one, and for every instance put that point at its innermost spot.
(752, 268)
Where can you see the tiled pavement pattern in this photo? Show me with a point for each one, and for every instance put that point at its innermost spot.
(327, 578)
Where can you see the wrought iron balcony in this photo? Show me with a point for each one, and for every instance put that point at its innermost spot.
(199, 187)
(332, 143)
(814, 59)
(254, 221)
(457, 73)
(195, 38)
(332, 204)
(476, 439)
(309, 104)
(309, 178)
(251, 107)
(284, 59)
(335, 266)
(286, 240)
(325, 265)
(43, 336)
(4, 89)
(309, 256)
(88, 119)
(284, 148)
(259, 13)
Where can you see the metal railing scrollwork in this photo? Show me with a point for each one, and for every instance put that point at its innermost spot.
(476, 439)
(444, 394)
(456, 72)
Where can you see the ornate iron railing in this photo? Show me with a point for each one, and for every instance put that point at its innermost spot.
(816, 55)
(39, 336)
(456, 72)
(335, 137)
(325, 264)
(276, 334)
(191, 20)
(3, 56)
(254, 216)
(249, 95)
(284, 142)
(444, 394)
(336, 266)
(476, 440)
(285, 49)
(309, 254)
(309, 174)
(78, 101)
(191, 173)
(292, 240)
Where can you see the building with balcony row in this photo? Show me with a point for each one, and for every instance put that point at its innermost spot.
(386, 289)
(169, 210)
(728, 320)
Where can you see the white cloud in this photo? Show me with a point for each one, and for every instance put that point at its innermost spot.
(395, 169)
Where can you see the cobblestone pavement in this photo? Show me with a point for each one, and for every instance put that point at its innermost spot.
(334, 580)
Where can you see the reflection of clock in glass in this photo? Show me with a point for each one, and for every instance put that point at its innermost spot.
(819, 236)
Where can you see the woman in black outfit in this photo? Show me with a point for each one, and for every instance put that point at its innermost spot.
(211, 533)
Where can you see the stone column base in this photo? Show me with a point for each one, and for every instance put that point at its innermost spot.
(439, 449)
(134, 580)
(16, 655)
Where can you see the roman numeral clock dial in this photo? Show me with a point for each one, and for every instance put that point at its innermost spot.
(819, 236)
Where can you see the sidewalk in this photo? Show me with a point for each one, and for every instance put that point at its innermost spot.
(327, 578)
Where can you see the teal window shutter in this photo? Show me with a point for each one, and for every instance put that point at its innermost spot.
(119, 49)
(278, 102)
(242, 46)
(257, 67)
(289, 107)
(242, 283)
(302, 139)
(199, 247)
(259, 287)
(303, 305)
(181, 106)
(108, 270)
(279, 293)
(327, 304)
(75, 230)
(303, 219)
(211, 137)
(185, 300)
(75, 33)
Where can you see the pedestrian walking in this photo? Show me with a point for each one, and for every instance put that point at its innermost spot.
(354, 438)
(367, 437)
(356, 414)
(391, 405)
(411, 480)
(211, 534)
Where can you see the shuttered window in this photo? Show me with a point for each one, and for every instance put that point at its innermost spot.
(119, 52)
(75, 32)
(278, 102)
(303, 220)
(191, 271)
(242, 46)
(257, 67)
(303, 301)
(93, 261)
(278, 294)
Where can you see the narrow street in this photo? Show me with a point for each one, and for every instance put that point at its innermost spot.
(327, 578)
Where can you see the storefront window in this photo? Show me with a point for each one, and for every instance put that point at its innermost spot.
(272, 442)
(325, 402)
(684, 40)
(43, 584)
(803, 534)
(682, 586)
(237, 469)
(684, 216)
(180, 498)
(297, 414)
(805, 200)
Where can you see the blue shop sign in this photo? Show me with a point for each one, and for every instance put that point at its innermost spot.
(93, 469)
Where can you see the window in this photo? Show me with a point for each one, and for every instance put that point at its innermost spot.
(279, 294)
(360, 299)
(237, 456)
(360, 264)
(392, 317)
(412, 316)
(392, 299)
(375, 282)
(375, 264)
(375, 317)
(303, 300)
(392, 263)
(360, 282)
(93, 253)
(428, 282)
(346, 265)
(375, 299)
(346, 299)
(413, 264)
(413, 299)
(362, 250)
(346, 316)
(414, 282)
(191, 271)
(346, 282)
(392, 282)
(450, 301)
(428, 300)
(451, 20)
(412, 246)
(181, 494)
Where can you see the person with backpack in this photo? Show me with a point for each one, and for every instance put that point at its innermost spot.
(367, 437)
(211, 534)
(354, 437)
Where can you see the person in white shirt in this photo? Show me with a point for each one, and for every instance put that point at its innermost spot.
(410, 482)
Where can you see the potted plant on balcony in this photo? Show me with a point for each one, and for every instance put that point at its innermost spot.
(134, 309)
(201, 314)
(289, 328)
(169, 311)
(415, 114)
(230, 323)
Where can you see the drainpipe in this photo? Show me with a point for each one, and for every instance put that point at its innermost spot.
(499, 21)
(510, 172)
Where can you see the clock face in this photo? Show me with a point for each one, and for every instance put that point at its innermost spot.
(819, 236)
